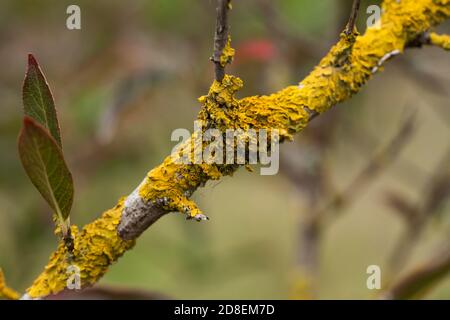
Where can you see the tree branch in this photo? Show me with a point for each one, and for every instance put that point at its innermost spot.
(6, 291)
(167, 187)
(418, 215)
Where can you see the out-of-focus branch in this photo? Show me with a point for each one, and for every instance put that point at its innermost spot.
(440, 40)
(350, 27)
(431, 38)
(126, 92)
(416, 216)
(425, 78)
(312, 226)
(5, 291)
(107, 292)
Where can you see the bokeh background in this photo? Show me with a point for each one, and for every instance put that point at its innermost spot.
(133, 74)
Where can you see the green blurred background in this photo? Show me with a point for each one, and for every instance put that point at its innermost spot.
(132, 74)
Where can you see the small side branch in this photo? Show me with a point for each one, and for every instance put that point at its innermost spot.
(221, 37)
(352, 20)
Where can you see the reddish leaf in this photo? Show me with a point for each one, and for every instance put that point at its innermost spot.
(44, 164)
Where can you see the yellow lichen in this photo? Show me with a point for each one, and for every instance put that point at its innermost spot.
(5, 291)
(442, 41)
(302, 287)
(97, 246)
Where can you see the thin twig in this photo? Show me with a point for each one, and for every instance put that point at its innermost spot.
(220, 37)
(352, 20)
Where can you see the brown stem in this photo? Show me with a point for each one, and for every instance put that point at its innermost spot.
(352, 20)
(220, 37)
(420, 280)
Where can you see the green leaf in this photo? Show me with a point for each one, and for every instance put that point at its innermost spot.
(45, 166)
(38, 100)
